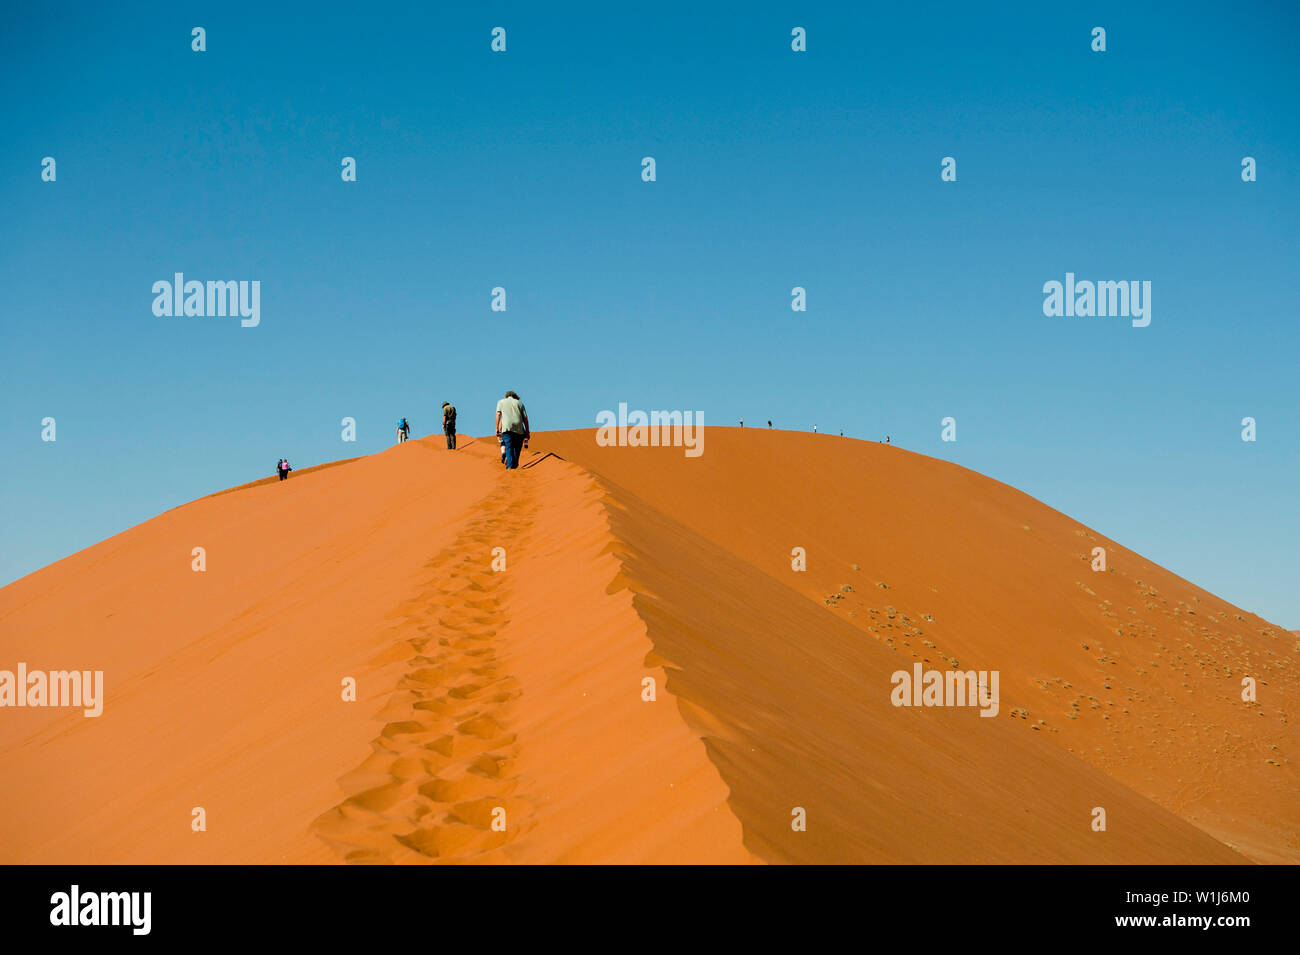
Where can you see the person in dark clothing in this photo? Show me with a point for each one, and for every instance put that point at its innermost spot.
(284, 469)
(449, 424)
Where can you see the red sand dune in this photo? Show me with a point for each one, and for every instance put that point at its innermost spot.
(516, 694)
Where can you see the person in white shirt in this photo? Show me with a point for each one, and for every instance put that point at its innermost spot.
(512, 427)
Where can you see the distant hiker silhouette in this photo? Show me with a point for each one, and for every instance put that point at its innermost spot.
(449, 424)
(769, 424)
(814, 429)
(742, 422)
(403, 430)
(283, 469)
(512, 428)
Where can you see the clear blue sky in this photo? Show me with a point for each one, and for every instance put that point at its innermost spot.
(775, 169)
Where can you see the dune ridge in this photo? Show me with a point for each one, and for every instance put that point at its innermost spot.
(440, 765)
(514, 694)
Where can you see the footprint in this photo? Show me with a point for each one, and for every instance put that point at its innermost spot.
(443, 760)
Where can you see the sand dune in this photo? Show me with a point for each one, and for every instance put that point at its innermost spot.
(500, 713)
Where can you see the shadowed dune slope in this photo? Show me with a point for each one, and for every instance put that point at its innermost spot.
(1130, 673)
(500, 629)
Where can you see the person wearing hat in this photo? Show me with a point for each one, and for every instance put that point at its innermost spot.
(512, 428)
(449, 424)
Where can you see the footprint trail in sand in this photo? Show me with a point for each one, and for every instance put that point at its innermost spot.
(440, 771)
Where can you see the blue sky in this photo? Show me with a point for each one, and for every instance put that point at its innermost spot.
(774, 169)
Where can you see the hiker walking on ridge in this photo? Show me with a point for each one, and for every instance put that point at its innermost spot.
(449, 424)
(512, 428)
(403, 430)
(283, 468)
(503, 439)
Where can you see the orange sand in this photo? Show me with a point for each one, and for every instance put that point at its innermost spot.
(520, 691)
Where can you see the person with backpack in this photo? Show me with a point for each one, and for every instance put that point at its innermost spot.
(278, 466)
(403, 430)
(527, 434)
(449, 424)
(512, 428)
(284, 468)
